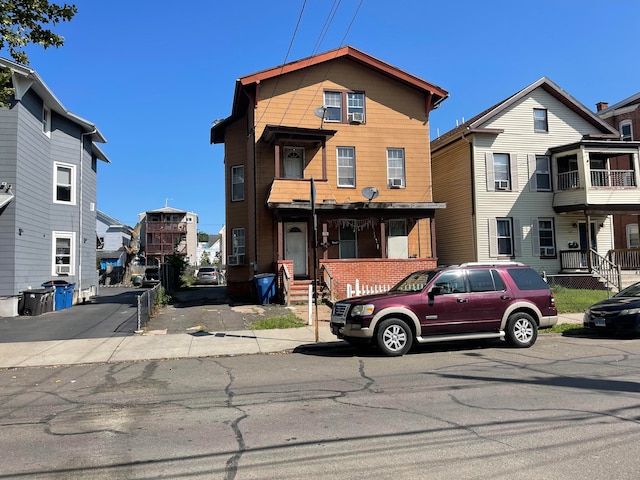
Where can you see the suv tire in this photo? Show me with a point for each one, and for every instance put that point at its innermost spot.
(394, 337)
(522, 330)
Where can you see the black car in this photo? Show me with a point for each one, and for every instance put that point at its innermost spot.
(618, 314)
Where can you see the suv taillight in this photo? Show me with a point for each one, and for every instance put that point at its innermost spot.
(552, 300)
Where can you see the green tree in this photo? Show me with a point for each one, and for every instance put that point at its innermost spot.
(204, 259)
(23, 22)
(203, 237)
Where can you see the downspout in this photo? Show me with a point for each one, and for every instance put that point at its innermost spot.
(81, 206)
(473, 195)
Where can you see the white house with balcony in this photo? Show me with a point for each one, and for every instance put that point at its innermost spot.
(535, 178)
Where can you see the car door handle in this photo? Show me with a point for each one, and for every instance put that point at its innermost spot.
(462, 300)
(505, 297)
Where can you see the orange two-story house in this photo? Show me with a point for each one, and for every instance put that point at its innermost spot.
(349, 131)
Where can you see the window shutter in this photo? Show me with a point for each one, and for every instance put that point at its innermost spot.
(493, 238)
(533, 178)
(488, 165)
(535, 237)
(513, 165)
(517, 237)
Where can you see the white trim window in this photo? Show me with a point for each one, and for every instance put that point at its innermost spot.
(63, 253)
(543, 173)
(395, 168)
(238, 245)
(346, 157)
(333, 106)
(546, 235)
(505, 237)
(540, 122)
(355, 107)
(632, 235)
(237, 183)
(501, 171)
(46, 121)
(348, 242)
(626, 131)
(64, 178)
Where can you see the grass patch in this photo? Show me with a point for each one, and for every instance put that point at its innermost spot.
(571, 300)
(566, 329)
(283, 321)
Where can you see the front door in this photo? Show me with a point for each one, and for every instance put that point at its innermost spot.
(293, 160)
(295, 247)
(584, 246)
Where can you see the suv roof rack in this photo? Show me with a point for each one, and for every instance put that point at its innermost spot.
(490, 264)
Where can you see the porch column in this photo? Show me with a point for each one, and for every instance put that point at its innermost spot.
(276, 154)
(383, 239)
(324, 160)
(325, 239)
(280, 239)
(432, 224)
(588, 229)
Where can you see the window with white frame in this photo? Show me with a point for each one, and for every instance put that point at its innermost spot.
(237, 183)
(546, 237)
(64, 190)
(355, 107)
(238, 245)
(540, 123)
(348, 242)
(543, 173)
(46, 121)
(63, 253)
(346, 166)
(501, 169)
(395, 167)
(504, 237)
(333, 106)
(626, 133)
(632, 235)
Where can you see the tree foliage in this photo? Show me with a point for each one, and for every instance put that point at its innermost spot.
(203, 237)
(23, 22)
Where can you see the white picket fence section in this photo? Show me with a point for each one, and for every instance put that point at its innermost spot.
(360, 290)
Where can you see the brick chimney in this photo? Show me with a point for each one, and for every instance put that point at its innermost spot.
(601, 106)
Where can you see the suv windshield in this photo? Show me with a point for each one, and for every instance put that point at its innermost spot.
(414, 282)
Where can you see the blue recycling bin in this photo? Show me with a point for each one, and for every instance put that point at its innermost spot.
(265, 287)
(63, 293)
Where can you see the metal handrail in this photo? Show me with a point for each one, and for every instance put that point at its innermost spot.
(606, 269)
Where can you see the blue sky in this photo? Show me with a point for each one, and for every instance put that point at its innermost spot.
(153, 75)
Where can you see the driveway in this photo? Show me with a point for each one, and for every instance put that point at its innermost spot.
(113, 313)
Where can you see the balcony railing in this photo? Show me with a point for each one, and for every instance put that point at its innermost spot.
(568, 180)
(613, 178)
(627, 258)
(166, 226)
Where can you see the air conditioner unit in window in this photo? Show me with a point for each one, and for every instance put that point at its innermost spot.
(232, 260)
(63, 269)
(502, 185)
(356, 117)
(395, 182)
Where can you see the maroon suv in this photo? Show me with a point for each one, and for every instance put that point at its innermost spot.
(463, 302)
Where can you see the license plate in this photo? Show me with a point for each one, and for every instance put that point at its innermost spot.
(600, 322)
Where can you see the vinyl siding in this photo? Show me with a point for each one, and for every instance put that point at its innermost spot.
(452, 184)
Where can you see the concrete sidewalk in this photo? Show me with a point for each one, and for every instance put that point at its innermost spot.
(157, 345)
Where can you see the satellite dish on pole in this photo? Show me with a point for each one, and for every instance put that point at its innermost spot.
(319, 112)
(369, 193)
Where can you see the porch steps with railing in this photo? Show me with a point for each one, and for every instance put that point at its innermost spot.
(299, 291)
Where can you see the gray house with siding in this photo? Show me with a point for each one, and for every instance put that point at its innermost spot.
(48, 170)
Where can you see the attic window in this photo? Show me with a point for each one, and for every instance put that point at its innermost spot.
(540, 123)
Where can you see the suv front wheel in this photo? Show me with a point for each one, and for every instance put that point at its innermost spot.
(394, 337)
(522, 330)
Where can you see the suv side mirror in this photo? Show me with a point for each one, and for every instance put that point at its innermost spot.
(435, 290)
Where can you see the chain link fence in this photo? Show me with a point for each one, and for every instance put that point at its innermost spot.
(575, 281)
(147, 305)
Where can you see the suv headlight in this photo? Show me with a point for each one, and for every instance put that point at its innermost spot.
(360, 310)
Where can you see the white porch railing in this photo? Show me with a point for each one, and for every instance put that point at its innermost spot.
(360, 290)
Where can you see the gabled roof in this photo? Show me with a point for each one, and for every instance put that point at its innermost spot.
(25, 79)
(475, 125)
(169, 210)
(629, 101)
(240, 102)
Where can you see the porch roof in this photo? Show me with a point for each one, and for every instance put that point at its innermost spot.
(275, 133)
(295, 194)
